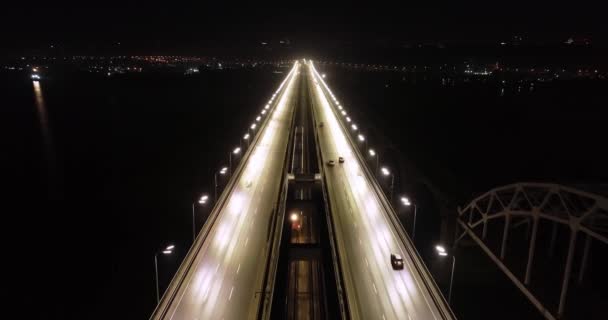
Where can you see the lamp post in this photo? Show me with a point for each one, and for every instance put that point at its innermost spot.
(377, 156)
(222, 172)
(386, 172)
(406, 202)
(362, 139)
(443, 253)
(168, 250)
(202, 200)
(236, 151)
(246, 138)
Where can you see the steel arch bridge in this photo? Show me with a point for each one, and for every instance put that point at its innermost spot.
(581, 211)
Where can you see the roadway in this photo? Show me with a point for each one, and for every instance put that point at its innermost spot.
(223, 273)
(365, 235)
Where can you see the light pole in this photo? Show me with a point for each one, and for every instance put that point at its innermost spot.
(362, 139)
(202, 200)
(222, 172)
(406, 202)
(386, 172)
(236, 151)
(168, 250)
(377, 156)
(443, 253)
(246, 138)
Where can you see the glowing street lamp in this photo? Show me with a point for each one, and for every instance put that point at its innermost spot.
(201, 201)
(373, 154)
(442, 252)
(294, 217)
(166, 251)
(386, 172)
(406, 202)
(246, 138)
(222, 172)
(236, 151)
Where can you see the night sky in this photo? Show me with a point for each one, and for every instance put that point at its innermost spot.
(156, 28)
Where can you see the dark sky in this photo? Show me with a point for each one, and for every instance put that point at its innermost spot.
(188, 28)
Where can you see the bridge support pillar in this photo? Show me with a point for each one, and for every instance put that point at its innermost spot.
(585, 258)
(531, 250)
(505, 235)
(567, 273)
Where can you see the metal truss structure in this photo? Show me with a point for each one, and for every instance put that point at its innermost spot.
(582, 212)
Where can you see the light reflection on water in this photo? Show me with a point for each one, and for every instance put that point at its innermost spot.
(43, 118)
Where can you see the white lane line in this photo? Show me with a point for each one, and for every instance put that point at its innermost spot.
(366, 263)
(238, 269)
(217, 268)
(375, 290)
(246, 241)
(383, 318)
(230, 296)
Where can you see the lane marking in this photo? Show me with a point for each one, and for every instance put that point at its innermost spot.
(238, 269)
(246, 241)
(231, 289)
(375, 290)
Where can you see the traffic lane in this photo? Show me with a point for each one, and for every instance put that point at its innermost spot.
(394, 283)
(247, 289)
(369, 303)
(210, 285)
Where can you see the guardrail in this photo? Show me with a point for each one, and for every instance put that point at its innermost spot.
(180, 275)
(428, 280)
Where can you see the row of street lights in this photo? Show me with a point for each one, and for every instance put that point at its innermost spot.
(441, 251)
(384, 170)
(204, 198)
(237, 151)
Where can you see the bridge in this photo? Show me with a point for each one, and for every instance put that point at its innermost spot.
(253, 238)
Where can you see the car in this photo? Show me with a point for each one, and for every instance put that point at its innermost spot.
(331, 163)
(341, 159)
(321, 125)
(396, 261)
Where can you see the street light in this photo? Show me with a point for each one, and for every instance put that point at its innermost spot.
(293, 217)
(443, 253)
(222, 172)
(168, 250)
(202, 200)
(406, 202)
(246, 138)
(386, 172)
(354, 126)
(236, 151)
(373, 153)
(347, 119)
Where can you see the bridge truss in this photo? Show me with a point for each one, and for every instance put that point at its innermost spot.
(528, 203)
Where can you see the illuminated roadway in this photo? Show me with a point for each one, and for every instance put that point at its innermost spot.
(365, 235)
(222, 275)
